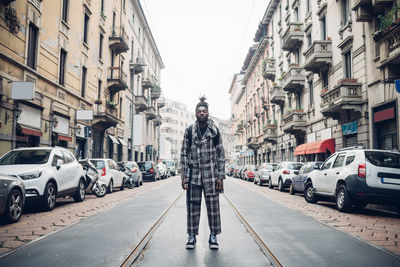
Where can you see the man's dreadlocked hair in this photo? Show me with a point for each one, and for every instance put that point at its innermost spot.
(202, 102)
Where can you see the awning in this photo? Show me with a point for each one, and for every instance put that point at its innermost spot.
(28, 131)
(122, 141)
(113, 139)
(300, 150)
(64, 138)
(316, 147)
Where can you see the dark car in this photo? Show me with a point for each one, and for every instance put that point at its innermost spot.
(299, 180)
(149, 170)
(12, 198)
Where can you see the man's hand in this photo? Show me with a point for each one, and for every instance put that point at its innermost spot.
(184, 183)
(220, 185)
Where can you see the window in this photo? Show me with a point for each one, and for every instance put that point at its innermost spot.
(32, 46)
(101, 38)
(83, 85)
(345, 11)
(325, 79)
(323, 28)
(57, 155)
(120, 107)
(309, 40)
(308, 6)
(85, 28)
(63, 57)
(65, 5)
(102, 6)
(347, 65)
(297, 56)
(68, 157)
(328, 162)
(311, 92)
(339, 160)
(299, 101)
(132, 51)
(350, 159)
(296, 14)
(99, 84)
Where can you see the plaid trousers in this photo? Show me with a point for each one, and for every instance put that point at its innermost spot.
(193, 204)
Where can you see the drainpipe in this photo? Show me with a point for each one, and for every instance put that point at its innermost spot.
(132, 111)
(370, 124)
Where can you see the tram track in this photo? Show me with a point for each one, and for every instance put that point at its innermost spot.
(135, 255)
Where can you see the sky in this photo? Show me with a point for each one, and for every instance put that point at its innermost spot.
(202, 45)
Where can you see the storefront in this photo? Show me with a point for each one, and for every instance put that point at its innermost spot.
(385, 126)
(350, 136)
(315, 151)
(28, 129)
(60, 136)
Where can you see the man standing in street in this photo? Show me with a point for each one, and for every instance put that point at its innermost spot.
(202, 161)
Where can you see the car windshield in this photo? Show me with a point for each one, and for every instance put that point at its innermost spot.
(129, 165)
(98, 163)
(383, 159)
(169, 163)
(36, 156)
(269, 166)
(144, 166)
(295, 166)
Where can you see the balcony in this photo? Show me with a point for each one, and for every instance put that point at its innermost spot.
(346, 96)
(270, 134)
(293, 36)
(140, 103)
(116, 80)
(252, 143)
(137, 65)
(269, 69)
(295, 122)
(390, 52)
(104, 117)
(157, 120)
(146, 83)
(277, 96)
(119, 40)
(294, 79)
(150, 113)
(318, 55)
(155, 92)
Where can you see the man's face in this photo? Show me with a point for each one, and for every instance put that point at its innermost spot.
(202, 114)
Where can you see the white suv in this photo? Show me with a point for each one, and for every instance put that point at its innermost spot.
(283, 174)
(47, 173)
(355, 177)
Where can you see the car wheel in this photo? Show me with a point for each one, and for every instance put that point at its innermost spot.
(100, 191)
(111, 186)
(14, 206)
(123, 185)
(131, 184)
(49, 197)
(259, 182)
(343, 200)
(254, 181)
(281, 187)
(270, 186)
(291, 189)
(309, 194)
(80, 191)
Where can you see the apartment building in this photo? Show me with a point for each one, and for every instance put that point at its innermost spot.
(80, 69)
(320, 77)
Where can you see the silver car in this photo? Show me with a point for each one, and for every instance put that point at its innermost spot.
(12, 198)
(135, 173)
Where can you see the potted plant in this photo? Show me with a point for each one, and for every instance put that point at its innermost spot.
(111, 104)
(98, 101)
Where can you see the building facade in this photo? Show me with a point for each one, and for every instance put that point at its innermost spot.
(87, 70)
(314, 83)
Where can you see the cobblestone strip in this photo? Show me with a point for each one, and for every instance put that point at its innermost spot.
(37, 224)
(378, 227)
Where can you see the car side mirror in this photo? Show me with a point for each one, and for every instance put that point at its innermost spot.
(59, 163)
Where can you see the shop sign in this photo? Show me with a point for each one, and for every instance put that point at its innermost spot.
(397, 84)
(349, 128)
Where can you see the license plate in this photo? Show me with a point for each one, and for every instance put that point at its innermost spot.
(390, 181)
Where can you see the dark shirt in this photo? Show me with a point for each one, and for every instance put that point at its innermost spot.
(202, 131)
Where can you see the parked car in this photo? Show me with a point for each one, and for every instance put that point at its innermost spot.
(251, 172)
(110, 174)
(231, 170)
(47, 173)
(264, 173)
(299, 180)
(282, 176)
(355, 177)
(163, 171)
(236, 171)
(171, 166)
(134, 173)
(149, 170)
(12, 198)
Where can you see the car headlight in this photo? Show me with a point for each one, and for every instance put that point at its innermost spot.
(30, 175)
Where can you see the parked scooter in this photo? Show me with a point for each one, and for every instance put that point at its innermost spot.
(92, 182)
(129, 179)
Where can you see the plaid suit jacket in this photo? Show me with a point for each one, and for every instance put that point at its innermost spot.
(207, 160)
